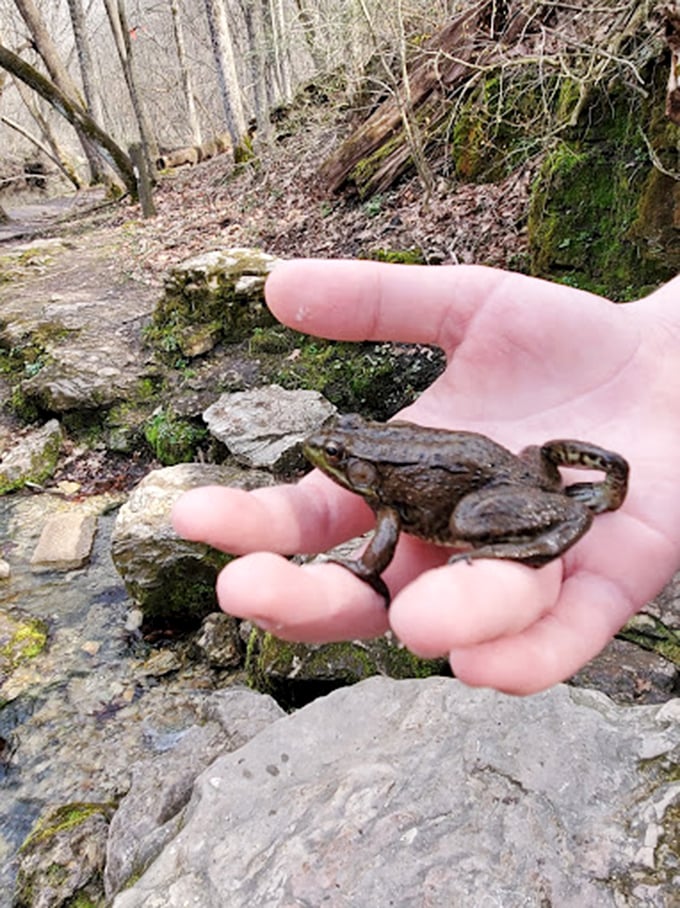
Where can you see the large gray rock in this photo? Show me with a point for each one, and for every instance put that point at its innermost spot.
(264, 428)
(399, 793)
(153, 810)
(171, 579)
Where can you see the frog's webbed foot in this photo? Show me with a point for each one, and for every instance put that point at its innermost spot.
(374, 580)
(596, 496)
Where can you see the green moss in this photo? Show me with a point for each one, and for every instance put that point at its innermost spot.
(275, 339)
(60, 819)
(396, 256)
(501, 121)
(277, 666)
(173, 440)
(376, 379)
(28, 641)
(184, 595)
(601, 216)
(82, 900)
(652, 634)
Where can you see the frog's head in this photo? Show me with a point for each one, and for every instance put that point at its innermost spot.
(330, 449)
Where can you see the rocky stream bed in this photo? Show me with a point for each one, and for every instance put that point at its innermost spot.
(154, 751)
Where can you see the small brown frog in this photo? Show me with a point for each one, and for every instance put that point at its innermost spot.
(464, 490)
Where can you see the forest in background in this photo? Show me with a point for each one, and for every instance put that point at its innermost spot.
(579, 101)
(176, 73)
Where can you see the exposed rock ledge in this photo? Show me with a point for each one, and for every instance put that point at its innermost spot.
(395, 793)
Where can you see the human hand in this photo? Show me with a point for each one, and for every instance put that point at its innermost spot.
(527, 361)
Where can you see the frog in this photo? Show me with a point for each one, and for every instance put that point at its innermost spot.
(463, 490)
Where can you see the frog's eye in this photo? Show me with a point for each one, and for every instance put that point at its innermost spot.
(333, 451)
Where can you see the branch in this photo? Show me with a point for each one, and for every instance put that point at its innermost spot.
(73, 112)
(38, 144)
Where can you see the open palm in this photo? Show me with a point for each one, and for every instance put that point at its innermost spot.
(527, 361)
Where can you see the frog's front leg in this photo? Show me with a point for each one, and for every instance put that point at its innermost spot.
(377, 554)
(530, 526)
(596, 496)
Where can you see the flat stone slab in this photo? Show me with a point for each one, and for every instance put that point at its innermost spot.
(410, 793)
(65, 542)
(264, 428)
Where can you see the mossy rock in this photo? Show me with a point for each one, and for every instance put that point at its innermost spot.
(62, 859)
(21, 639)
(33, 459)
(502, 121)
(295, 673)
(212, 298)
(603, 216)
(374, 379)
(173, 440)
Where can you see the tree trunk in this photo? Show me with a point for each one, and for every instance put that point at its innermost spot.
(185, 73)
(446, 60)
(59, 74)
(281, 49)
(227, 77)
(672, 13)
(115, 10)
(74, 113)
(253, 16)
(306, 19)
(84, 52)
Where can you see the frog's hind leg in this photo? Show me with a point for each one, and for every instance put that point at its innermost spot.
(513, 524)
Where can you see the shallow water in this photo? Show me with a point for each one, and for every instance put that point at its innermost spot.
(55, 725)
(78, 716)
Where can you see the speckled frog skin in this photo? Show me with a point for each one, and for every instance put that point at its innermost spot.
(463, 490)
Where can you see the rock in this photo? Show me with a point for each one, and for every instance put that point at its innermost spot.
(63, 856)
(162, 662)
(265, 427)
(389, 790)
(5, 569)
(94, 374)
(65, 542)
(212, 297)
(21, 639)
(218, 641)
(170, 579)
(152, 812)
(32, 459)
(296, 672)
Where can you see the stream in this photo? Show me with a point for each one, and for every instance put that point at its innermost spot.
(74, 721)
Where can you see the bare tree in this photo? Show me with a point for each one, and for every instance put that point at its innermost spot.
(280, 48)
(59, 74)
(227, 76)
(84, 52)
(185, 72)
(115, 10)
(253, 17)
(73, 112)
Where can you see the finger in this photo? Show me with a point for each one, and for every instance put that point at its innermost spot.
(318, 603)
(349, 300)
(464, 604)
(311, 516)
(590, 611)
